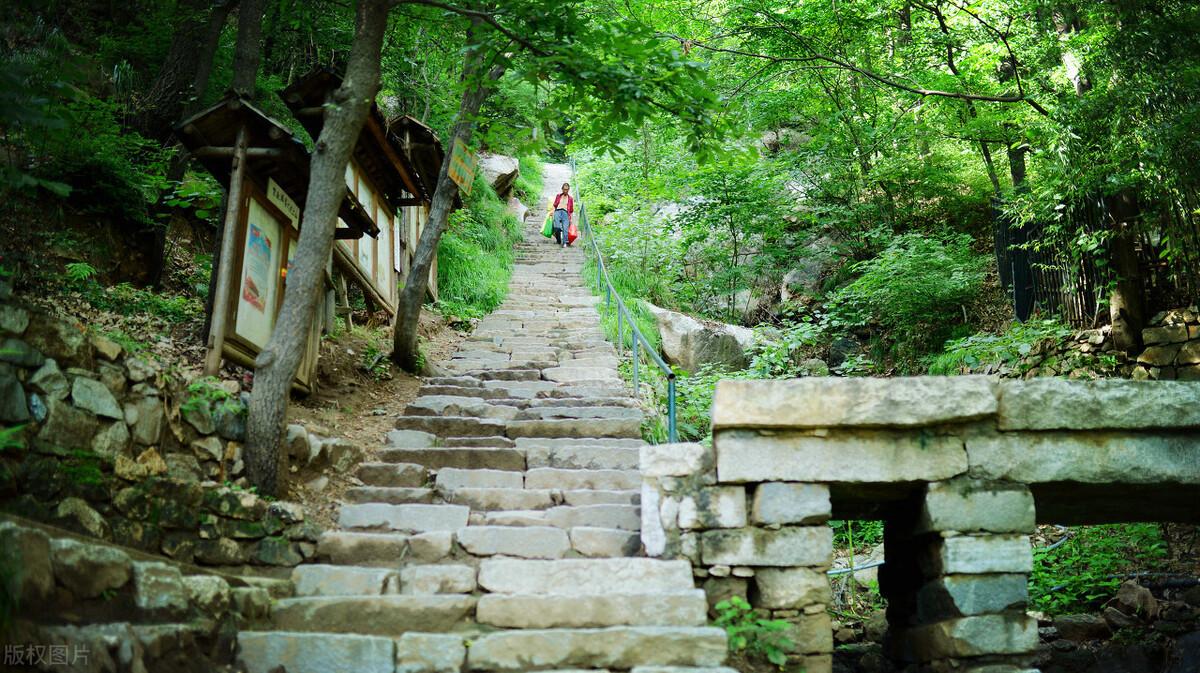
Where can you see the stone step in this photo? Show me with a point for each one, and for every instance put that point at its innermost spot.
(525, 611)
(453, 405)
(617, 647)
(622, 517)
(383, 550)
(577, 412)
(470, 458)
(583, 497)
(489, 442)
(627, 428)
(460, 391)
(605, 480)
(269, 651)
(584, 457)
(451, 478)
(482, 500)
(338, 580)
(452, 426)
(411, 518)
(393, 496)
(529, 542)
(395, 475)
(372, 615)
(426, 580)
(605, 542)
(585, 576)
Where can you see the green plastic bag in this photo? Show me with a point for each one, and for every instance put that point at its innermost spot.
(548, 226)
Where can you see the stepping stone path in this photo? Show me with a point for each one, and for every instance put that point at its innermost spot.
(499, 531)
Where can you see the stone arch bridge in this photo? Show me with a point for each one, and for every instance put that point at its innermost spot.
(959, 469)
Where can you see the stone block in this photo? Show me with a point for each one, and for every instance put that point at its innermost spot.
(713, 507)
(810, 633)
(786, 547)
(967, 506)
(789, 502)
(822, 402)
(209, 593)
(1153, 336)
(430, 653)
(851, 456)
(88, 570)
(975, 636)
(967, 595)
(159, 588)
(1093, 457)
(790, 588)
(544, 542)
(1159, 356)
(974, 555)
(266, 652)
(330, 580)
(675, 460)
(592, 610)
(592, 576)
(604, 542)
(620, 647)
(654, 536)
(27, 552)
(1054, 404)
(437, 579)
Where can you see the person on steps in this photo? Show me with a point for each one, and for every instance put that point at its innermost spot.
(564, 208)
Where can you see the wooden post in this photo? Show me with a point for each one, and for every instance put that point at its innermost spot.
(233, 208)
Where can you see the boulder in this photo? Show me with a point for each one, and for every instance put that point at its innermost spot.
(65, 342)
(94, 396)
(518, 209)
(500, 171)
(67, 427)
(13, 408)
(689, 343)
(50, 381)
(803, 281)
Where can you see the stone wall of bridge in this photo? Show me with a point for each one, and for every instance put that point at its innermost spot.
(959, 469)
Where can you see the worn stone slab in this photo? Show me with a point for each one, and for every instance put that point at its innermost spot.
(654, 535)
(367, 549)
(973, 555)
(790, 502)
(396, 475)
(791, 588)
(416, 518)
(391, 496)
(966, 595)
(1091, 457)
(533, 542)
(265, 652)
(581, 497)
(826, 402)
(967, 506)
(430, 653)
(531, 611)
(576, 428)
(341, 580)
(609, 480)
(604, 542)
(461, 457)
(590, 576)
(847, 456)
(1060, 404)
(452, 426)
(492, 499)
(451, 478)
(372, 615)
(579, 374)
(810, 633)
(713, 507)
(1009, 633)
(675, 460)
(792, 546)
(410, 439)
(437, 579)
(615, 647)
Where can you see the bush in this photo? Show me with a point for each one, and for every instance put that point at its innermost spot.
(475, 255)
(1086, 570)
(980, 350)
(916, 280)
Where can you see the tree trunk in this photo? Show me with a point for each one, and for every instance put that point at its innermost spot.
(276, 365)
(1125, 302)
(246, 52)
(186, 68)
(408, 307)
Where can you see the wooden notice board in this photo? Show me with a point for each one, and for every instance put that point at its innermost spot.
(463, 163)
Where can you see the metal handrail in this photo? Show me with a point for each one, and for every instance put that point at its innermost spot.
(624, 317)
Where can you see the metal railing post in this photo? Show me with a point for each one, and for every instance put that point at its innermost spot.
(637, 350)
(672, 435)
(620, 332)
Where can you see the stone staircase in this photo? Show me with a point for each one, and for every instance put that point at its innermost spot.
(499, 531)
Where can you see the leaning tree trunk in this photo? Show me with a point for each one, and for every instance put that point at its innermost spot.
(276, 365)
(1125, 301)
(408, 307)
(246, 51)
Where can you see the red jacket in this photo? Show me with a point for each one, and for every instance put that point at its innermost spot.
(570, 203)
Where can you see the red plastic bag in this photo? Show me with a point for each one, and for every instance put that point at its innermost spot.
(572, 233)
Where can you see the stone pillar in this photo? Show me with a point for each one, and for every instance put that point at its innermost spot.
(973, 558)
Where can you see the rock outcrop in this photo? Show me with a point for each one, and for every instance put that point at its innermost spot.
(690, 343)
(500, 171)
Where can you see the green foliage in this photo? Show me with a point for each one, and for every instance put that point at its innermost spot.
(779, 353)
(126, 299)
(980, 350)
(857, 534)
(528, 187)
(199, 194)
(205, 395)
(475, 255)
(131, 344)
(1086, 570)
(374, 361)
(78, 272)
(12, 438)
(752, 634)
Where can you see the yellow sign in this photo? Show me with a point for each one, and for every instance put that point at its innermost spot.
(283, 202)
(462, 166)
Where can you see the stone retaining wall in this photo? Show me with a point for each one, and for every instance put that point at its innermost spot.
(113, 445)
(1172, 347)
(960, 469)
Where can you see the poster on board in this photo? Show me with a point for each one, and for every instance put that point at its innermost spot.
(259, 277)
